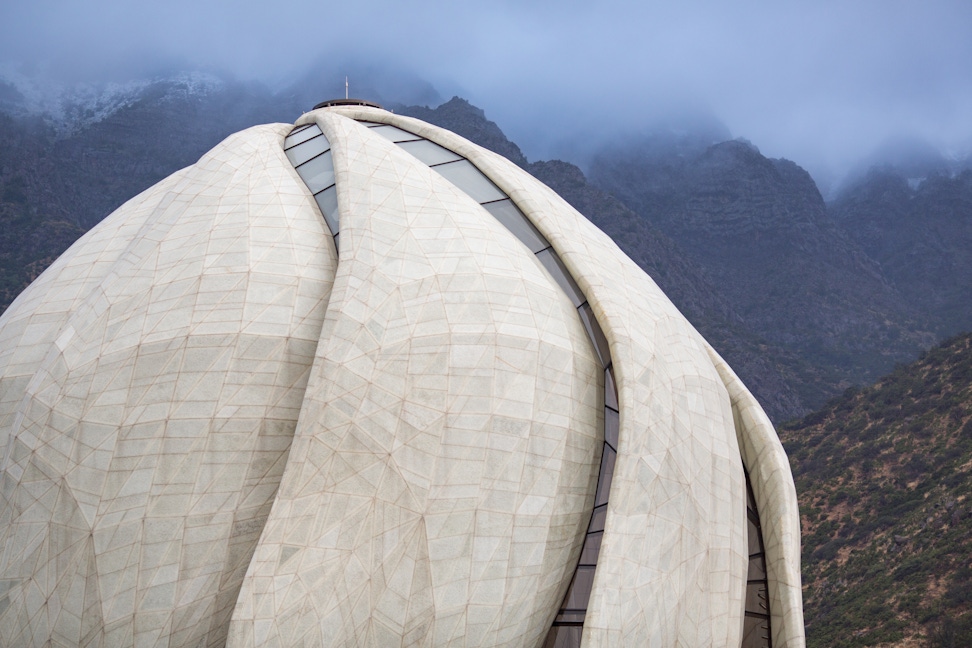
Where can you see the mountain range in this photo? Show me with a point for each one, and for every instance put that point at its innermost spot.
(804, 298)
(779, 281)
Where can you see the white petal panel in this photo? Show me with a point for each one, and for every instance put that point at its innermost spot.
(441, 476)
(777, 502)
(673, 560)
(151, 381)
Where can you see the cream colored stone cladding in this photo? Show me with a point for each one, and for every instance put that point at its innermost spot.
(216, 429)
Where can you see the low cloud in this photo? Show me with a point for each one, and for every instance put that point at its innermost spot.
(821, 83)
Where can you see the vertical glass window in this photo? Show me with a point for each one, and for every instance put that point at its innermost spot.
(612, 425)
(468, 178)
(310, 153)
(564, 636)
(595, 333)
(610, 390)
(301, 134)
(558, 271)
(507, 213)
(306, 150)
(608, 457)
(327, 201)
(318, 172)
(429, 152)
(394, 134)
(756, 626)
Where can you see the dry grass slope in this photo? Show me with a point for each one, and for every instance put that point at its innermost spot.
(884, 476)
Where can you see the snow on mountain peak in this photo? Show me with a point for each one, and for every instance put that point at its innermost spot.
(71, 107)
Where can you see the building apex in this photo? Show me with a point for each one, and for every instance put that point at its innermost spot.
(347, 102)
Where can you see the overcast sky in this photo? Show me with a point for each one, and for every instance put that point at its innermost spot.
(818, 82)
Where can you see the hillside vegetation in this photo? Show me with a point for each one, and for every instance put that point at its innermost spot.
(884, 477)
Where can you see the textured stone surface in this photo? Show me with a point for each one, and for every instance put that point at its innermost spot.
(444, 462)
(772, 482)
(422, 413)
(150, 382)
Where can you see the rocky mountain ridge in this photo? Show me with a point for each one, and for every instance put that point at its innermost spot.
(70, 108)
(791, 264)
(743, 244)
(920, 236)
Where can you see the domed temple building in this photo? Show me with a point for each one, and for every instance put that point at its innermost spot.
(360, 382)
